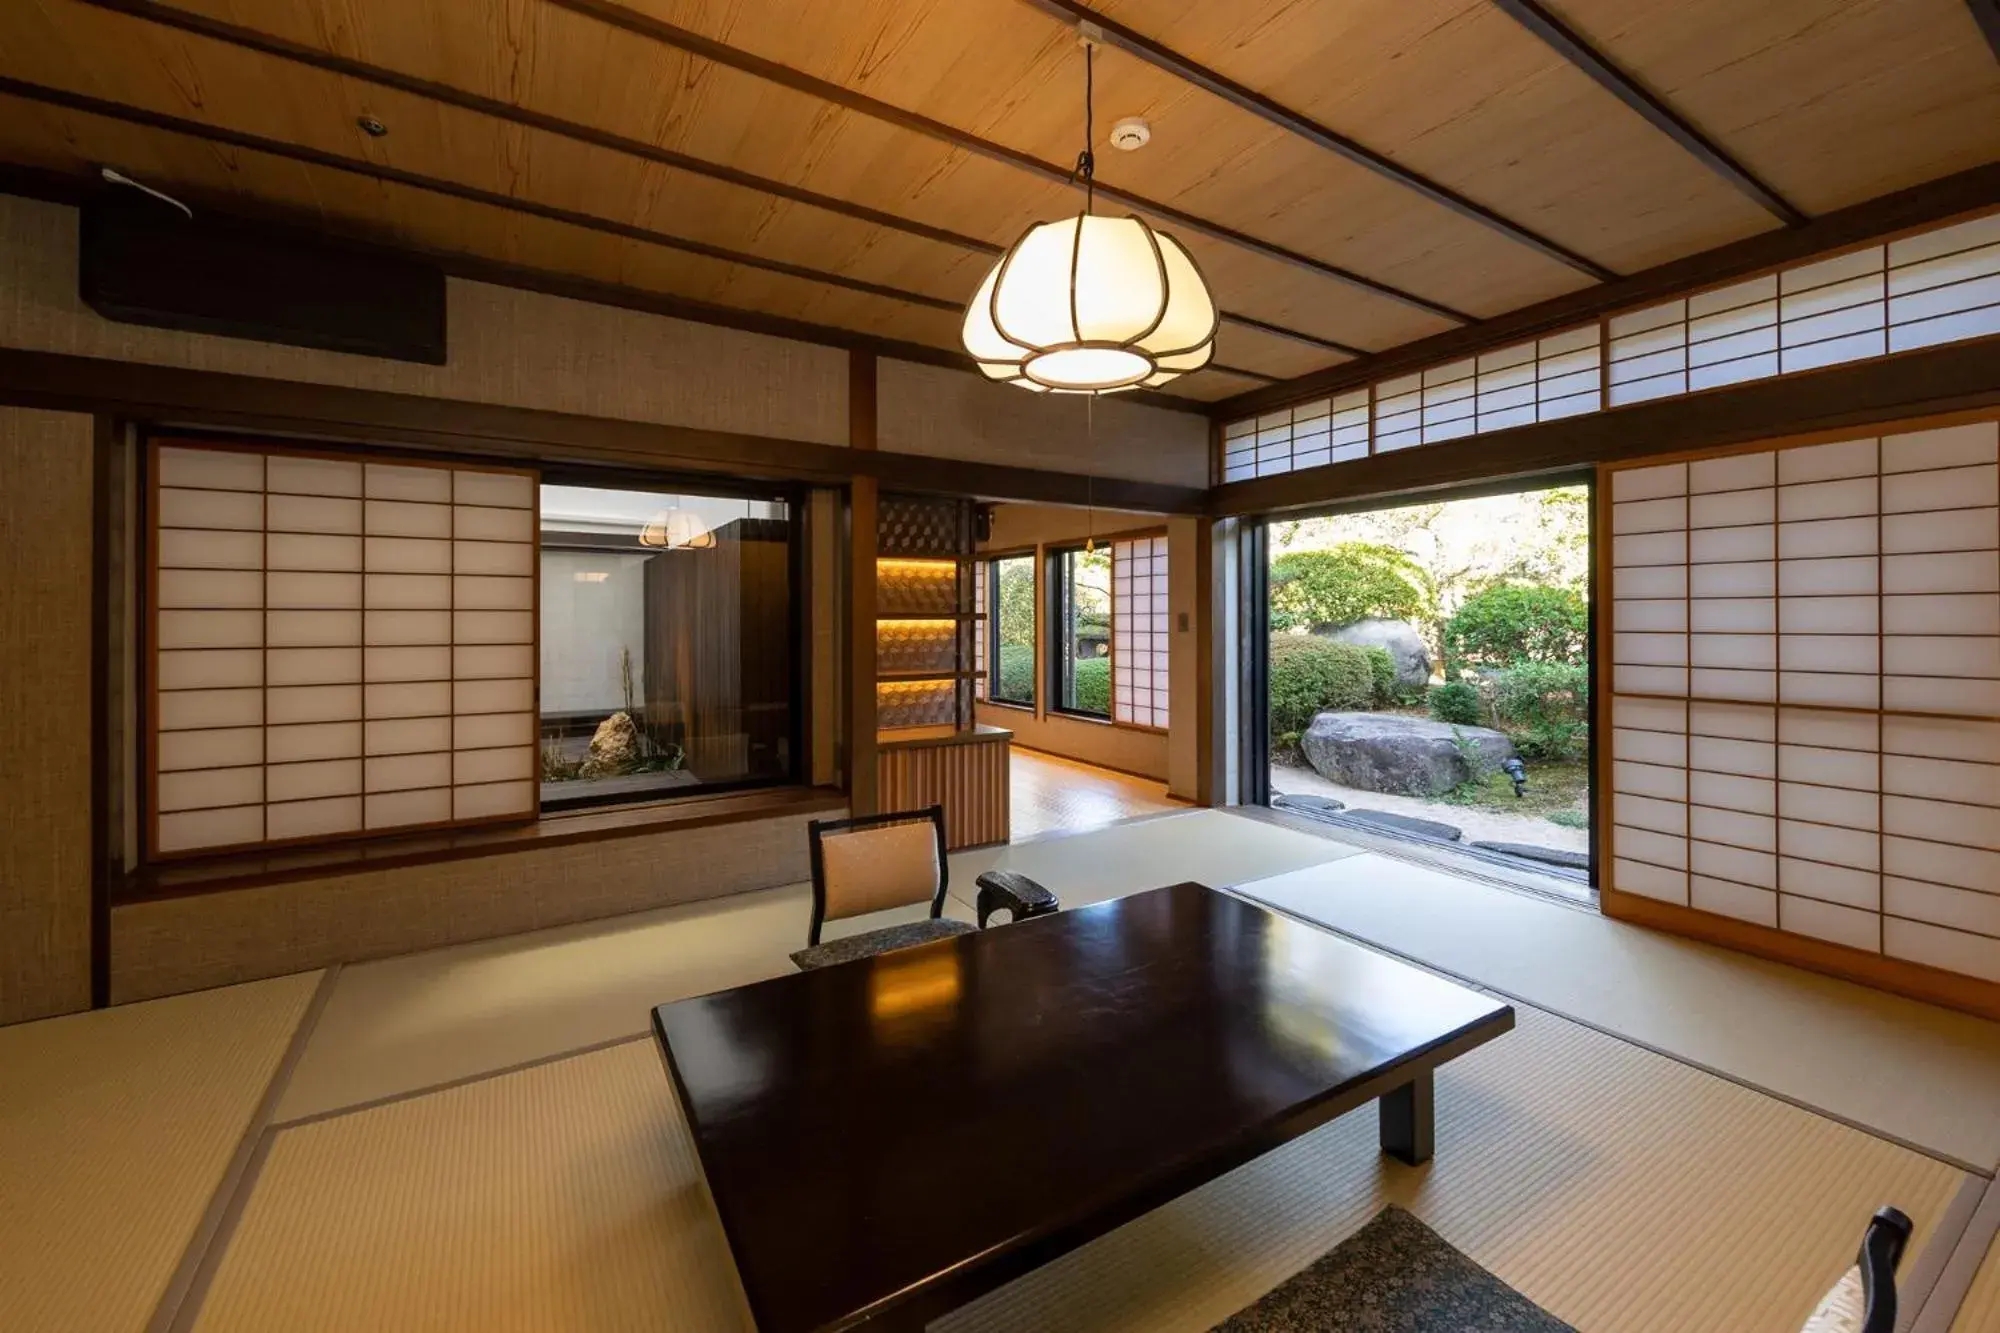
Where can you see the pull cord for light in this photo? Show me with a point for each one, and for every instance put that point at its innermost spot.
(1090, 478)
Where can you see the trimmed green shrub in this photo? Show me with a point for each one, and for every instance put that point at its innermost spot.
(1310, 675)
(1350, 582)
(1382, 676)
(1093, 685)
(1016, 683)
(1456, 703)
(1509, 624)
(1545, 708)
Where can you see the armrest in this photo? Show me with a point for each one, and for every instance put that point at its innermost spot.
(1016, 893)
(1881, 1251)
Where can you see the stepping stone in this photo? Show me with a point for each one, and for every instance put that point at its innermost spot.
(1554, 856)
(1308, 803)
(1422, 828)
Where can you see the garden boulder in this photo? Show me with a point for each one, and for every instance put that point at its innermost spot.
(1404, 645)
(1412, 756)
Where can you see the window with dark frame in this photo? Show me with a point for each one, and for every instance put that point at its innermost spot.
(1080, 647)
(668, 654)
(1011, 616)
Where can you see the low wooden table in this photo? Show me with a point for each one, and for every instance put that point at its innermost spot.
(887, 1139)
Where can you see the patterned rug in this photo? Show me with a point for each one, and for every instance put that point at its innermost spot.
(1395, 1275)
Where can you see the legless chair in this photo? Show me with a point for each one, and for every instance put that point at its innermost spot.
(871, 864)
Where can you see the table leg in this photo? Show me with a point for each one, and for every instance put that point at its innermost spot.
(1409, 1120)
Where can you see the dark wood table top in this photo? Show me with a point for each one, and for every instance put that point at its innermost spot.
(892, 1137)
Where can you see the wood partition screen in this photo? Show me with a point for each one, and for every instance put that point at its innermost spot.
(337, 646)
(1805, 700)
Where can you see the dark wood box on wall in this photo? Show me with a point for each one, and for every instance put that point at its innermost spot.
(144, 263)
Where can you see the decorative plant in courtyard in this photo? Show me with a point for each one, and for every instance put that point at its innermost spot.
(1456, 703)
(1508, 624)
(1544, 707)
(1311, 675)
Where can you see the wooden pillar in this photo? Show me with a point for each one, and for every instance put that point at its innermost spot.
(1204, 653)
(861, 544)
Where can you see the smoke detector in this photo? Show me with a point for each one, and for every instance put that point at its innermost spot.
(1130, 134)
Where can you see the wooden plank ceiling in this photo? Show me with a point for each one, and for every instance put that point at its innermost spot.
(856, 164)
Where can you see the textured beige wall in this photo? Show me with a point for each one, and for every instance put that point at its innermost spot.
(521, 349)
(215, 939)
(950, 414)
(1019, 525)
(45, 738)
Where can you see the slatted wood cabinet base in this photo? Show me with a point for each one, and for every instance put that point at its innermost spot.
(967, 772)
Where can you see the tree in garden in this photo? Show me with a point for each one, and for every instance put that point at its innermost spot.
(1352, 581)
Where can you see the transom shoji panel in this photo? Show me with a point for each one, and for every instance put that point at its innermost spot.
(339, 646)
(1139, 646)
(1806, 691)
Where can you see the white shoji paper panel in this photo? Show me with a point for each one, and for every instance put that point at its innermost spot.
(1838, 738)
(1139, 632)
(1327, 430)
(308, 613)
(981, 628)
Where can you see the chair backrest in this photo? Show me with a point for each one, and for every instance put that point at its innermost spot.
(876, 862)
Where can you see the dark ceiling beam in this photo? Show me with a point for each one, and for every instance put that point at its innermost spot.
(446, 94)
(1113, 33)
(1986, 13)
(171, 396)
(721, 53)
(1912, 209)
(1571, 47)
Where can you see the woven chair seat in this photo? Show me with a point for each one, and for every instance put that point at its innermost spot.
(870, 943)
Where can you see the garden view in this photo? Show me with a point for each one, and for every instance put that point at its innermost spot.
(1417, 653)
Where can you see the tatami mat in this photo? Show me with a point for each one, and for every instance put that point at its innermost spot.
(401, 1024)
(563, 1197)
(1210, 847)
(1620, 1189)
(117, 1128)
(398, 1025)
(1981, 1311)
(1927, 1076)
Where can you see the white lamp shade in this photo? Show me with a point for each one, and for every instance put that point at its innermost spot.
(676, 530)
(1091, 305)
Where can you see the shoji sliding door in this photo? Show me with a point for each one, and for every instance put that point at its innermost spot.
(1805, 691)
(337, 646)
(1139, 648)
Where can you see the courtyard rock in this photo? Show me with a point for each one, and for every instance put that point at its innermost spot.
(1404, 645)
(1413, 756)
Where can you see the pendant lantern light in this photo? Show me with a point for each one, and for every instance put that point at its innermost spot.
(1091, 304)
(675, 529)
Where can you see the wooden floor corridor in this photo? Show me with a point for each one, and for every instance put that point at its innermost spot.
(1056, 795)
